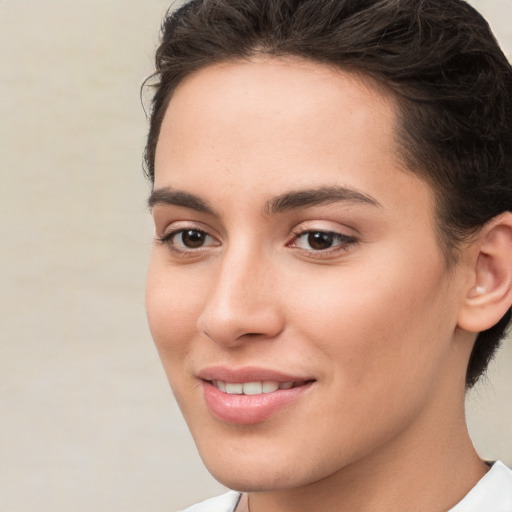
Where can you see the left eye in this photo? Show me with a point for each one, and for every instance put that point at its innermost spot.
(321, 240)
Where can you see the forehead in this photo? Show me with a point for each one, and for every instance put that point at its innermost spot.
(292, 95)
(264, 126)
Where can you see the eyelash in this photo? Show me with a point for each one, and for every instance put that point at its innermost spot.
(344, 242)
(341, 242)
(168, 240)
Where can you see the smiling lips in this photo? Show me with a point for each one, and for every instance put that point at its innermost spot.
(250, 396)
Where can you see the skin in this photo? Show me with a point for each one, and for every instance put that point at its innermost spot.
(374, 319)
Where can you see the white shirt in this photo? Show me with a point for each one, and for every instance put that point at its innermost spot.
(493, 493)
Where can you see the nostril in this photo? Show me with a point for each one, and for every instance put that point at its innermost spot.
(206, 334)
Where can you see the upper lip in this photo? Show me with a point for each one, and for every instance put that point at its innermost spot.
(247, 374)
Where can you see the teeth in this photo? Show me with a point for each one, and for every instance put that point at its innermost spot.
(233, 388)
(252, 388)
(269, 386)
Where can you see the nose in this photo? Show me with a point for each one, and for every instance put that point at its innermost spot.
(243, 302)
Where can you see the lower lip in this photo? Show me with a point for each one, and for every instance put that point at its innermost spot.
(249, 409)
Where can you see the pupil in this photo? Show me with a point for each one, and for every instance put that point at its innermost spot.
(192, 238)
(320, 240)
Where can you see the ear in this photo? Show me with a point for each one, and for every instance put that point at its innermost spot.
(488, 295)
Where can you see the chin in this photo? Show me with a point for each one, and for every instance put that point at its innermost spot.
(256, 479)
(247, 467)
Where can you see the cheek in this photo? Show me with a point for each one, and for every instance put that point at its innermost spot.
(381, 324)
(379, 345)
(172, 311)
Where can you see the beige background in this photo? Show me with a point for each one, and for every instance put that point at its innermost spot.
(87, 420)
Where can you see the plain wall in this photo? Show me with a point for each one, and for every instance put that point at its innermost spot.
(87, 420)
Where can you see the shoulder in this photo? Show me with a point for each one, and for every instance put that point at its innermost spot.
(223, 503)
(492, 492)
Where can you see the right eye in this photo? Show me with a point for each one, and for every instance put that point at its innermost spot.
(187, 240)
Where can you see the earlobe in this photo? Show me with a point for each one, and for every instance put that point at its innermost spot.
(489, 295)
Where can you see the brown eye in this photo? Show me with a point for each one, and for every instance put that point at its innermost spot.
(320, 240)
(188, 240)
(323, 241)
(191, 238)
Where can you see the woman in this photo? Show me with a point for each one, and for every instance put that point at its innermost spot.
(332, 262)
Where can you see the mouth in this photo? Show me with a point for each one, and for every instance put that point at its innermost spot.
(251, 395)
(256, 387)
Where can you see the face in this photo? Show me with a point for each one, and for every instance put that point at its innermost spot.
(296, 293)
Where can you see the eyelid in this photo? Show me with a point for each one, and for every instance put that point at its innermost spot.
(171, 234)
(183, 225)
(325, 226)
(348, 238)
(348, 241)
(175, 228)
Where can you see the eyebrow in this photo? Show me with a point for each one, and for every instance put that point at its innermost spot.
(168, 196)
(314, 197)
(306, 198)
